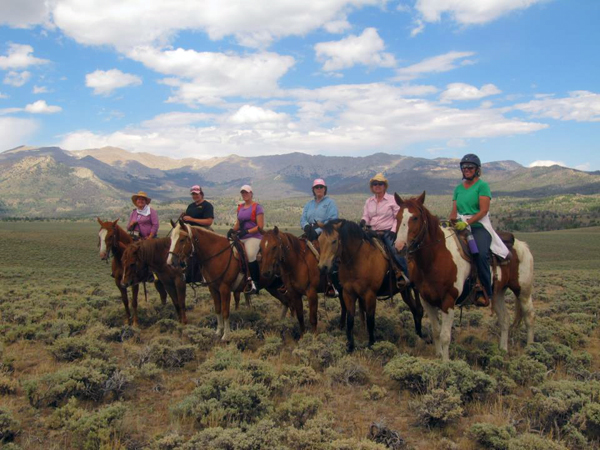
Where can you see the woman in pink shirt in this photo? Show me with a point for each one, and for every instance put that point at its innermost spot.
(143, 220)
(379, 214)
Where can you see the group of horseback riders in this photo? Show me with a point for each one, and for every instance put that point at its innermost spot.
(470, 208)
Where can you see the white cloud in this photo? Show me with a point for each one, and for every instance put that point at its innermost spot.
(23, 13)
(206, 78)
(20, 56)
(462, 91)
(441, 63)
(470, 11)
(17, 79)
(249, 114)
(106, 81)
(581, 106)
(41, 107)
(418, 28)
(3, 95)
(546, 163)
(40, 90)
(16, 131)
(585, 166)
(142, 22)
(366, 49)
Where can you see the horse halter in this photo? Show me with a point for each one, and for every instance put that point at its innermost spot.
(109, 248)
(192, 250)
(419, 240)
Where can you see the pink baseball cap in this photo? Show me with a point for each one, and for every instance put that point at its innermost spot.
(319, 182)
(246, 188)
(195, 189)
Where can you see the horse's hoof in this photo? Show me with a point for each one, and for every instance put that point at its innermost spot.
(225, 338)
(350, 348)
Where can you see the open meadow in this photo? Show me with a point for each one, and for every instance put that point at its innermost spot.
(74, 376)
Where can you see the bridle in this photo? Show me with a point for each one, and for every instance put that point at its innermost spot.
(419, 241)
(109, 248)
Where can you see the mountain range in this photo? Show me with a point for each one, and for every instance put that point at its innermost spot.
(52, 182)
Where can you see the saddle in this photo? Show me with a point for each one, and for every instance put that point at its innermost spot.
(463, 247)
(387, 289)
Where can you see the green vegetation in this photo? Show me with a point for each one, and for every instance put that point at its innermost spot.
(73, 376)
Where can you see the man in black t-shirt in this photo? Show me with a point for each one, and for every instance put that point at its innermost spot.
(200, 212)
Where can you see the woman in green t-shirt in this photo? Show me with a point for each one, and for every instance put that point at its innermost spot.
(471, 204)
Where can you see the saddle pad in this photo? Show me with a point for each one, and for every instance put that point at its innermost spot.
(312, 249)
(379, 245)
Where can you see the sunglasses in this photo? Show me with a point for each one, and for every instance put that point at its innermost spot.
(468, 167)
(244, 192)
(377, 183)
(319, 187)
(196, 193)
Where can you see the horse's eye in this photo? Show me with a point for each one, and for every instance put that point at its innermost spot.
(414, 218)
(334, 241)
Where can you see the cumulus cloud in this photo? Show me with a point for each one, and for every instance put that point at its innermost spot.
(40, 90)
(16, 131)
(207, 77)
(468, 11)
(366, 49)
(546, 163)
(441, 63)
(104, 82)
(20, 56)
(249, 114)
(24, 13)
(142, 22)
(17, 79)
(41, 107)
(581, 106)
(462, 91)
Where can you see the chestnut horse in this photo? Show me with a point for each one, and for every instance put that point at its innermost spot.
(114, 239)
(289, 257)
(363, 269)
(439, 272)
(142, 258)
(219, 264)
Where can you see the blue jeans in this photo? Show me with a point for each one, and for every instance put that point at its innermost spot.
(388, 239)
(483, 239)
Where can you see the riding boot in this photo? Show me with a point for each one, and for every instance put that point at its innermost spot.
(333, 279)
(255, 277)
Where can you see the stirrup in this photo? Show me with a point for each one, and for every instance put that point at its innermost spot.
(331, 291)
(481, 300)
(402, 281)
(250, 287)
(282, 289)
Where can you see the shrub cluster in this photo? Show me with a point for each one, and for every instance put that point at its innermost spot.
(320, 351)
(167, 353)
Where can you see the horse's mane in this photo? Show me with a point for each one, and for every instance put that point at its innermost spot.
(433, 223)
(348, 231)
(151, 250)
(294, 242)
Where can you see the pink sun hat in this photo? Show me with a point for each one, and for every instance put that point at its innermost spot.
(319, 182)
(195, 189)
(246, 188)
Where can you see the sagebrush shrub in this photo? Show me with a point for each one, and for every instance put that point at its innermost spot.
(167, 353)
(293, 376)
(438, 408)
(492, 436)
(7, 385)
(201, 337)
(525, 370)
(298, 409)
(73, 348)
(244, 339)
(384, 351)
(319, 351)
(9, 427)
(530, 441)
(271, 347)
(348, 371)
(375, 393)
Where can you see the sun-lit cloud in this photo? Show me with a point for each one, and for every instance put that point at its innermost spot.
(16, 131)
(546, 163)
(580, 106)
(463, 91)
(19, 57)
(17, 79)
(104, 82)
(41, 107)
(441, 63)
(366, 49)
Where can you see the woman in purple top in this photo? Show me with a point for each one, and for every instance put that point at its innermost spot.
(143, 221)
(250, 220)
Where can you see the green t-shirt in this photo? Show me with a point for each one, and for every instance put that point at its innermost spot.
(467, 200)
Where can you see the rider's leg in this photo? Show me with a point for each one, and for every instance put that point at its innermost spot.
(483, 239)
(252, 246)
(388, 239)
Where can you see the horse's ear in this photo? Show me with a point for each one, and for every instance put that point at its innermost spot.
(172, 223)
(115, 223)
(337, 226)
(421, 198)
(99, 221)
(399, 200)
(276, 230)
(320, 224)
(181, 224)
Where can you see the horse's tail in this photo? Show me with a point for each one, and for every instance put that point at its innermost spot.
(524, 302)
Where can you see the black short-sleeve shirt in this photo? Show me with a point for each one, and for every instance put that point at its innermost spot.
(202, 211)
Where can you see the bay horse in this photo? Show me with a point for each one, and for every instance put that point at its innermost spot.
(112, 239)
(219, 264)
(439, 272)
(144, 257)
(362, 271)
(289, 257)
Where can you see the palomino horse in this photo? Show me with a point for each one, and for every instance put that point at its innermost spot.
(362, 271)
(219, 263)
(439, 272)
(113, 239)
(291, 258)
(143, 257)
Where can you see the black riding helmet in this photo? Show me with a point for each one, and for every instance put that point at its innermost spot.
(471, 158)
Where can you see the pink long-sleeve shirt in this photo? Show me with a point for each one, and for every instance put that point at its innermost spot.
(381, 215)
(147, 225)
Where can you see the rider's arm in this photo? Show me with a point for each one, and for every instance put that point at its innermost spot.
(204, 222)
(332, 211)
(454, 213)
(260, 220)
(236, 227)
(365, 215)
(304, 218)
(132, 222)
(484, 208)
(154, 220)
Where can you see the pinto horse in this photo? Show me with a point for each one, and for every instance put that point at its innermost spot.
(218, 262)
(113, 239)
(144, 257)
(439, 272)
(363, 269)
(290, 257)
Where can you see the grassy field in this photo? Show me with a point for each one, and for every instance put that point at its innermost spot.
(72, 375)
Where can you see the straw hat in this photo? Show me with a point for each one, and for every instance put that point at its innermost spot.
(381, 178)
(134, 197)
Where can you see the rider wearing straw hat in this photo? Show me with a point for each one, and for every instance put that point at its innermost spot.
(379, 213)
(143, 220)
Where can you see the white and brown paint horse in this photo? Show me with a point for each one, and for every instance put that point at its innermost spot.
(439, 273)
(114, 239)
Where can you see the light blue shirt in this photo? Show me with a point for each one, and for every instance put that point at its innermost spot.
(324, 211)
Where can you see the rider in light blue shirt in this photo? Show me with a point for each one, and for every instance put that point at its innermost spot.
(321, 209)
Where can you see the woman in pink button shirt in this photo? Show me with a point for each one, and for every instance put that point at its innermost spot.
(143, 221)
(379, 214)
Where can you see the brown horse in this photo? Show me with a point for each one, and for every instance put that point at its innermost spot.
(219, 264)
(362, 271)
(142, 258)
(290, 257)
(440, 273)
(113, 239)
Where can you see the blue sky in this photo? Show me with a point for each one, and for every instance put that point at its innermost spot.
(506, 79)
